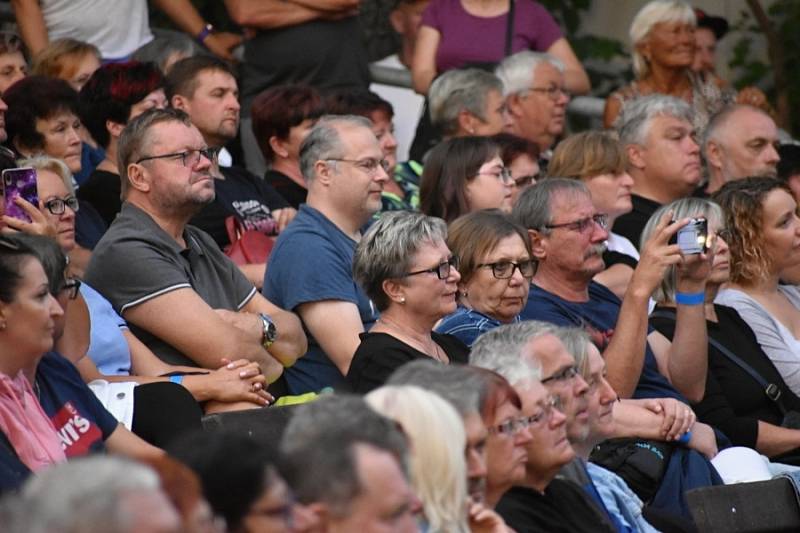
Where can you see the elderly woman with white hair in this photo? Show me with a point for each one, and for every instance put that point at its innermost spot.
(437, 465)
(662, 35)
(405, 267)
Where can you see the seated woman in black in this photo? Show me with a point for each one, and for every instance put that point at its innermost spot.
(409, 273)
(735, 401)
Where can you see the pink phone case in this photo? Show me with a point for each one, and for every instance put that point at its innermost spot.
(19, 182)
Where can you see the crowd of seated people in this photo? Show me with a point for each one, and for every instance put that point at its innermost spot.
(519, 328)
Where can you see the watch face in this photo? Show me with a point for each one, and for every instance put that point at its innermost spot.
(270, 331)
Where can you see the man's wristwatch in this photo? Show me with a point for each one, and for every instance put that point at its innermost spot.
(269, 332)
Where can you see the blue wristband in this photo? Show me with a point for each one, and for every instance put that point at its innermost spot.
(685, 438)
(690, 298)
(176, 379)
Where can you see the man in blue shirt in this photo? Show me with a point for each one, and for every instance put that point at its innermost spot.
(310, 268)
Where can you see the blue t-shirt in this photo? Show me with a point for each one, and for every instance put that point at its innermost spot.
(313, 261)
(468, 324)
(599, 317)
(78, 416)
(108, 348)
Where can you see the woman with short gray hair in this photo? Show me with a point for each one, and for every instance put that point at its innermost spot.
(405, 267)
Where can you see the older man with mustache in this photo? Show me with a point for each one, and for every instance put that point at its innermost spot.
(566, 233)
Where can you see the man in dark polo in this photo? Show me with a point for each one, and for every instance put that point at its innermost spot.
(181, 296)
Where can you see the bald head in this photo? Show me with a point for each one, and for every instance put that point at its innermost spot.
(740, 141)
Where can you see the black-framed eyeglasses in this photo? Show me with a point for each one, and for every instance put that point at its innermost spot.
(442, 270)
(505, 269)
(504, 175)
(71, 288)
(57, 206)
(601, 219)
(8, 244)
(561, 376)
(552, 92)
(189, 158)
(369, 165)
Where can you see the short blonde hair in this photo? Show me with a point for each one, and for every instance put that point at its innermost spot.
(653, 13)
(586, 155)
(60, 58)
(437, 437)
(56, 166)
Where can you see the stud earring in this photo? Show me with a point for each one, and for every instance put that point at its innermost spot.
(402, 299)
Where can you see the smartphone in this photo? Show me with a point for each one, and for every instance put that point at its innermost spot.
(19, 182)
(693, 237)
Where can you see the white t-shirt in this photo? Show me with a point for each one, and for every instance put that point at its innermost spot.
(407, 107)
(116, 27)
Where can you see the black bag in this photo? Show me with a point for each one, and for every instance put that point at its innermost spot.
(640, 462)
(791, 419)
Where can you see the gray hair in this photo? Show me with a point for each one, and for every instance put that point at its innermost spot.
(324, 142)
(651, 14)
(319, 448)
(576, 340)
(533, 209)
(56, 166)
(87, 494)
(500, 350)
(683, 208)
(635, 117)
(388, 249)
(460, 90)
(161, 49)
(455, 383)
(136, 138)
(518, 71)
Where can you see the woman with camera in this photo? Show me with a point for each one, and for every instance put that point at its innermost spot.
(735, 401)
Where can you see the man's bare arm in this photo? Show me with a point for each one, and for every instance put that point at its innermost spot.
(625, 353)
(186, 17)
(182, 319)
(30, 22)
(291, 343)
(335, 324)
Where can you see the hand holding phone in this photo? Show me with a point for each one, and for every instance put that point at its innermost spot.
(19, 182)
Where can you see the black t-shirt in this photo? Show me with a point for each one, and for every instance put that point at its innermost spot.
(325, 54)
(103, 189)
(734, 402)
(293, 193)
(632, 224)
(564, 507)
(245, 196)
(380, 354)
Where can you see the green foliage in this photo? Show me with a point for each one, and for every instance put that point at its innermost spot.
(784, 16)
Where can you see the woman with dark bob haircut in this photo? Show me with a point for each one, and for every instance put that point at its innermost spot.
(464, 174)
(496, 268)
(405, 267)
(764, 243)
(282, 118)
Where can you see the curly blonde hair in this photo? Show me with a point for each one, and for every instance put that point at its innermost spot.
(743, 204)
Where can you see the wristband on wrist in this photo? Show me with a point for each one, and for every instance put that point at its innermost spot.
(176, 379)
(207, 30)
(690, 298)
(686, 437)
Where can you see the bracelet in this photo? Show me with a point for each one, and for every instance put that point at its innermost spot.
(207, 30)
(690, 298)
(176, 379)
(686, 437)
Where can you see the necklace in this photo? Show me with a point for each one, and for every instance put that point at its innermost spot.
(426, 345)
